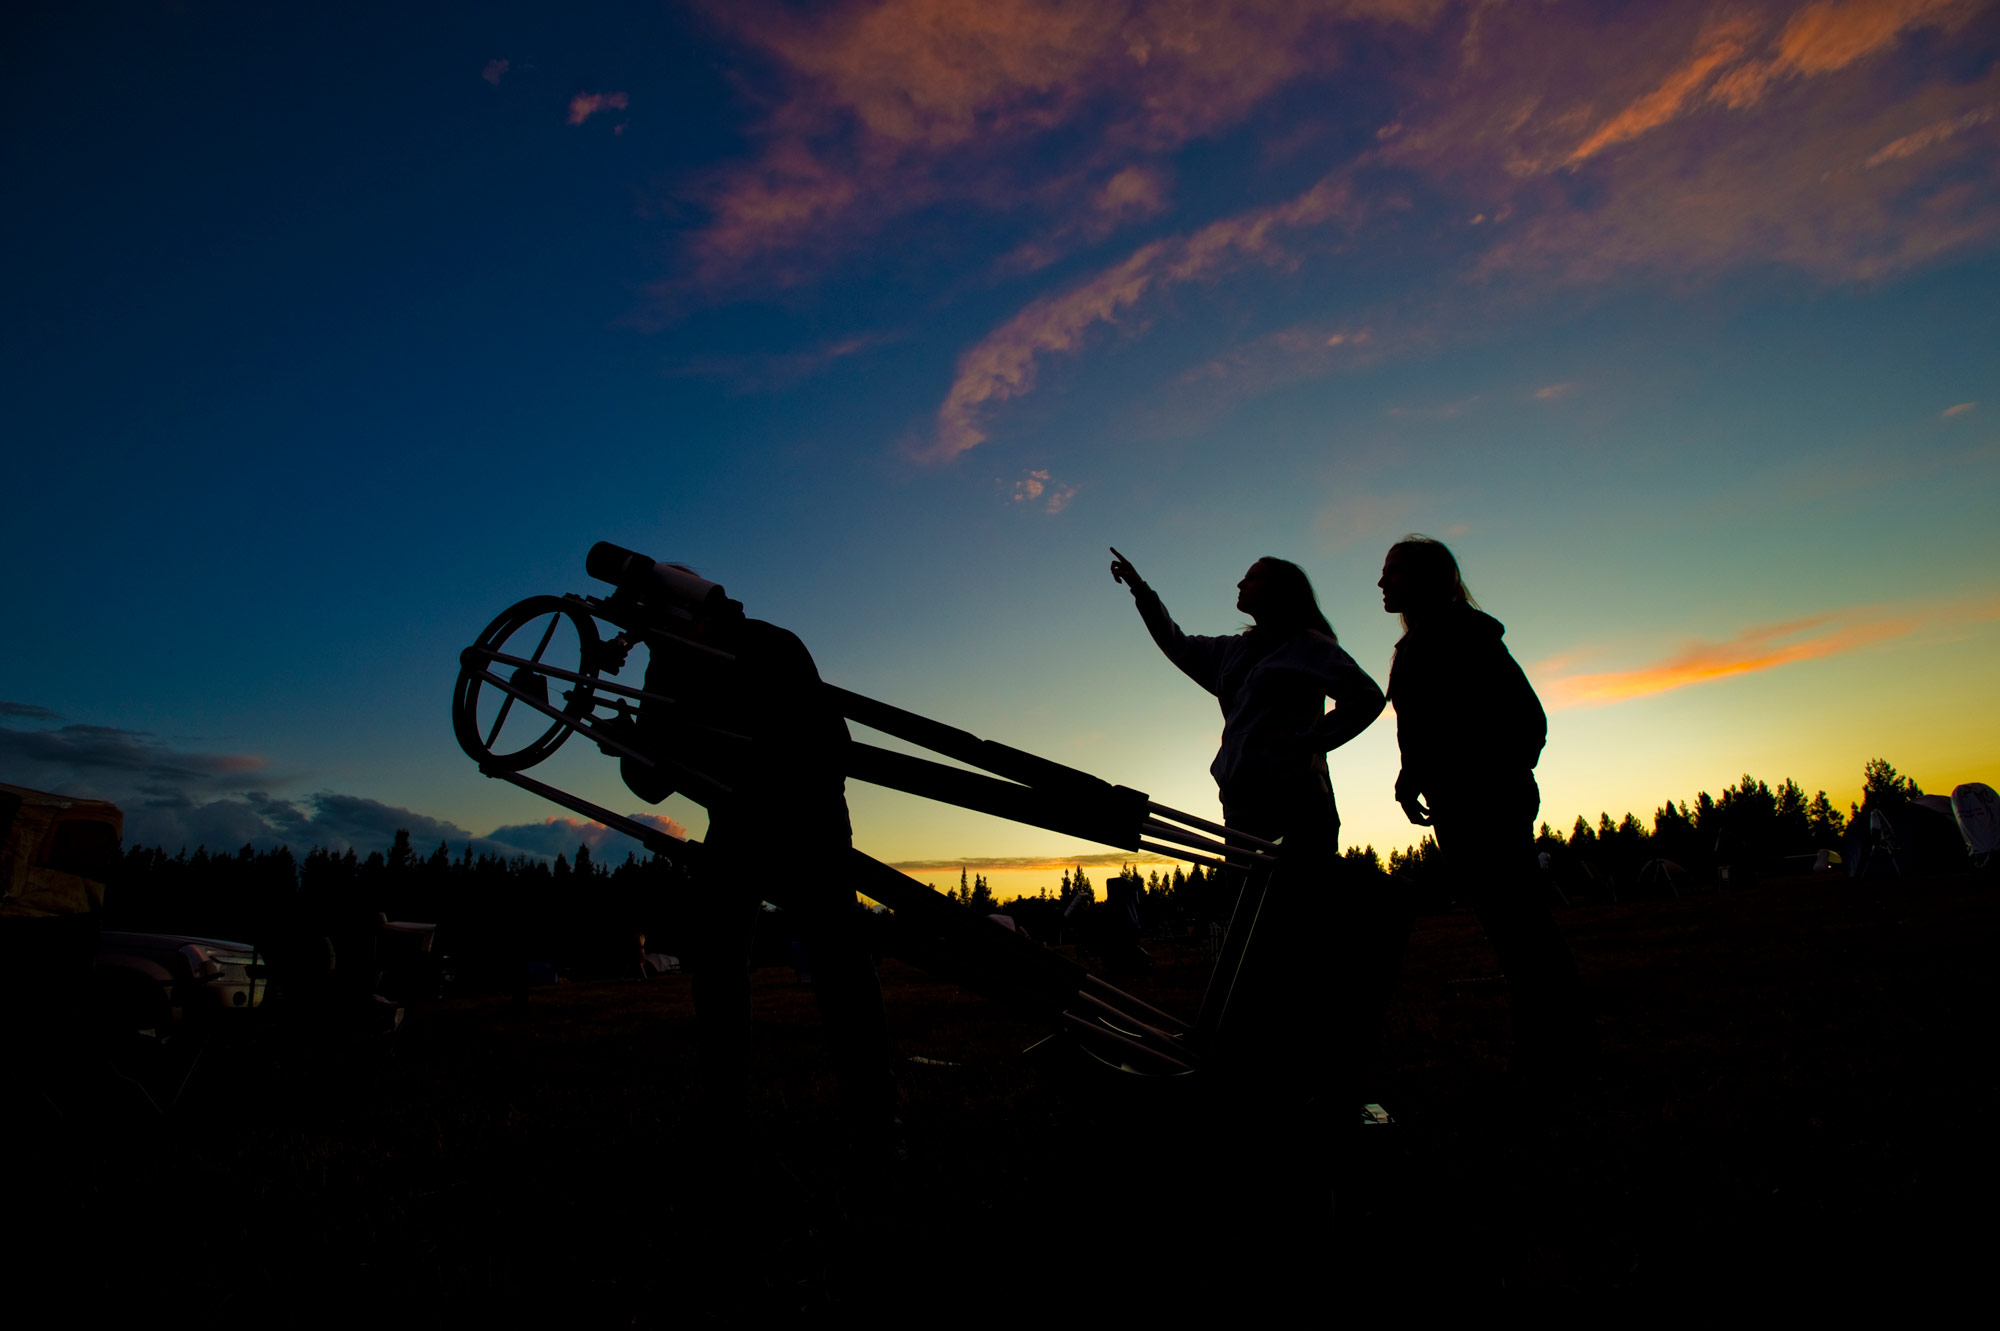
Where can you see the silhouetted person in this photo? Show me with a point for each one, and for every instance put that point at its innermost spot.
(1471, 731)
(780, 833)
(1272, 682)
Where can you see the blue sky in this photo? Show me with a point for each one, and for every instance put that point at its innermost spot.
(331, 333)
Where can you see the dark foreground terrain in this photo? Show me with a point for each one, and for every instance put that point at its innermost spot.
(1798, 1110)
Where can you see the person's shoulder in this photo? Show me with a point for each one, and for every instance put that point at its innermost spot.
(1466, 626)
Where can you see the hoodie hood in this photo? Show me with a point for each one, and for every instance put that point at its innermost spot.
(1457, 622)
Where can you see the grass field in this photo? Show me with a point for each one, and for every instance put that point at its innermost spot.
(1797, 1108)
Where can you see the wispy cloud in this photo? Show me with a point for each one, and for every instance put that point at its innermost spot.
(1728, 68)
(1554, 392)
(1720, 48)
(587, 104)
(1132, 195)
(339, 822)
(886, 107)
(763, 373)
(495, 70)
(1729, 141)
(99, 753)
(1036, 488)
(1958, 410)
(1565, 144)
(1003, 365)
(175, 796)
(1758, 648)
(1929, 137)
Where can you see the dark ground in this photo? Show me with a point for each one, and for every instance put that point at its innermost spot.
(1798, 1109)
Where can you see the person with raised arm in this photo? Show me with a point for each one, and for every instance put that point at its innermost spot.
(1272, 681)
(1471, 731)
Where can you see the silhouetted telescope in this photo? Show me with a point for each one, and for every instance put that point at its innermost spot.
(544, 663)
(678, 591)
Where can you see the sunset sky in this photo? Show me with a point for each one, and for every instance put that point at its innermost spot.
(330, 331)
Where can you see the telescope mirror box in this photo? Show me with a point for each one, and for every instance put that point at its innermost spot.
(666, 587)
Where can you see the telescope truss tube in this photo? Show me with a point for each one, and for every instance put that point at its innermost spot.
(1115, 1028)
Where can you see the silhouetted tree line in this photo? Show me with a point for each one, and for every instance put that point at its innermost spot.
(586, 917)
(1751, 827)
(491, 913)
(1172, 903)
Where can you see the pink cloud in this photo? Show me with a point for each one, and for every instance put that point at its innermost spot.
(1003, 364)
(1929, 137)
(892, 105)
(494, 70)
(1036, 487)
(1030, 487)
(1707, 143)
(1958, 410)
(587, 104)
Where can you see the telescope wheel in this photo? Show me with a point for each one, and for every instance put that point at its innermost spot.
(481, 708)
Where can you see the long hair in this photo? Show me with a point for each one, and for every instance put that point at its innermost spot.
(1297, 606)
(1436, 570)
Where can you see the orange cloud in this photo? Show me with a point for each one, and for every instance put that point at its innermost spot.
(1554, 392)
(587, 104)
(1752, 650)
(892, 105)
(1003, 364)
(1714, 167)
(1764, 647)
(1958, 410)
(1666, 102)
(1833, 34)
(1819, 39)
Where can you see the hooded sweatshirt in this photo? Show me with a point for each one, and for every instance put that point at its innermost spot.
(1273, 688)
(1466, 715)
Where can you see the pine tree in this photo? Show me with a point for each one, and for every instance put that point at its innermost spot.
(1881, 784)
(1824, 823)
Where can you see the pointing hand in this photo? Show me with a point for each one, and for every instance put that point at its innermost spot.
(1122, 570)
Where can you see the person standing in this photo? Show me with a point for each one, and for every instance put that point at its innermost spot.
(782, 756)
(1272, 682)
(1471, 731)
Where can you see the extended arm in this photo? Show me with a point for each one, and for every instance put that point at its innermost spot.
(1199, 658)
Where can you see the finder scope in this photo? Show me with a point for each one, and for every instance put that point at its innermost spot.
(661, 585)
